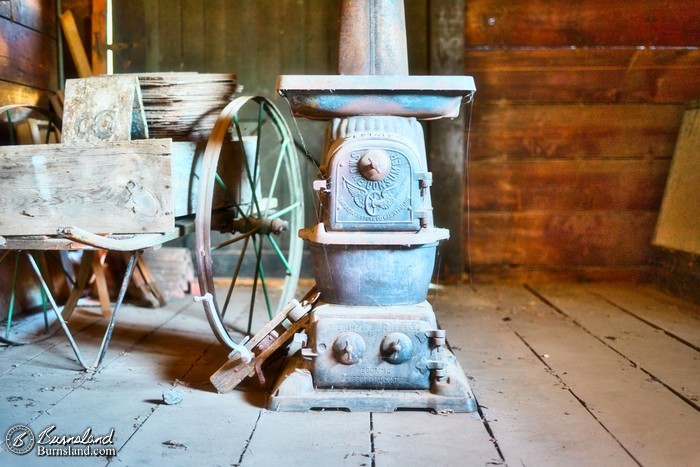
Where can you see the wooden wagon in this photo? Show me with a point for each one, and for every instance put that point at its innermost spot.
(238, 190)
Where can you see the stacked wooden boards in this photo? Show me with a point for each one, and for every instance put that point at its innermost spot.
(184, 106)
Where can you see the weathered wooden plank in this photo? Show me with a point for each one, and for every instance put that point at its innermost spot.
(292, 51)
(217, 36)
(27, 57)
(642, 344)
(678, 273)
(48, 186)
(557, 239)
(534, 419)
(38, 15)
(142, 348)
(327, 438)
(420, 438)
(569, 185)
(680, 320)
(321, 36)
(587, 75)
(636, 410)
(132, 39)
(500, 273)
(11, 93)
(101, 109)
(585, 23)
(574, 131)
(417, 34)
(193, 35)
(170, 36)
(678, 226)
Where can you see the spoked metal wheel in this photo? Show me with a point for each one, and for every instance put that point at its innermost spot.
(249, 210)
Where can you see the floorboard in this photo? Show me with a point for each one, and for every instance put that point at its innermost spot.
(635, 409)
(533, 417)
(680, 321)
(564, 375)
(643, 345)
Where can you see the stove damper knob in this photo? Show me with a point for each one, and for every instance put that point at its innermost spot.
(396, 348)
(349, 348)
(374, 165)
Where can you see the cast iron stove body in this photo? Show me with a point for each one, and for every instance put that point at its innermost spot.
(373, 342)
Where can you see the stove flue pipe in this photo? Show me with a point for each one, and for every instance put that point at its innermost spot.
(372, 38)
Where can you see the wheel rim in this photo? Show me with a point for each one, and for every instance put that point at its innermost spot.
(240, 212)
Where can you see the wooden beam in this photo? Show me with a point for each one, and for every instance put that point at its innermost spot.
(75, 44)
(95, 188)
(446, 140)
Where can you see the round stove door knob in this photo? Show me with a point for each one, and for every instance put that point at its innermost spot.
(349, 348)
(396, 348)
(374, 165)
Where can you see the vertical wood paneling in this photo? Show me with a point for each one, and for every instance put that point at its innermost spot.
(170, 20)
(193, 35)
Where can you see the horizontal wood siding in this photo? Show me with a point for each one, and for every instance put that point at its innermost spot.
(28, 50)
(576, 117)
(527, 23)
(39, 15)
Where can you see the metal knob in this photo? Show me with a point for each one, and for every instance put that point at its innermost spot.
(349, 348)
(396, 348)
(374, 165)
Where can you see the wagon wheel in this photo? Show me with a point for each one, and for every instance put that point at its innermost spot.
(249, 210)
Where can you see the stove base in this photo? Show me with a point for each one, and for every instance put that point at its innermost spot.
(295, 392)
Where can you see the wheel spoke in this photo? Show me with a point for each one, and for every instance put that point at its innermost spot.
(235, 239)
(251, 179)
(280, 255)
(235, 275)
(262, 174)
(273, 184)
(258, 248)
(284, 211)
(252, 296)
(228, 193)
(12, 298)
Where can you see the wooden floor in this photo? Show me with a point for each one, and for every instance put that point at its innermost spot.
(564, 375)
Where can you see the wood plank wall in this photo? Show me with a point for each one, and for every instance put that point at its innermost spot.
(576, 116)
(256, 39)
(28, 51)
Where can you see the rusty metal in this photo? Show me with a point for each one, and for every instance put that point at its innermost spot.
(372, 38)
(332, 96)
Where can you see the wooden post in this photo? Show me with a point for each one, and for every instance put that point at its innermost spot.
(446, 138)
(99, 37)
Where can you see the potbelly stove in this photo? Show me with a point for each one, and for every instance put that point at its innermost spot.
(373, 341)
